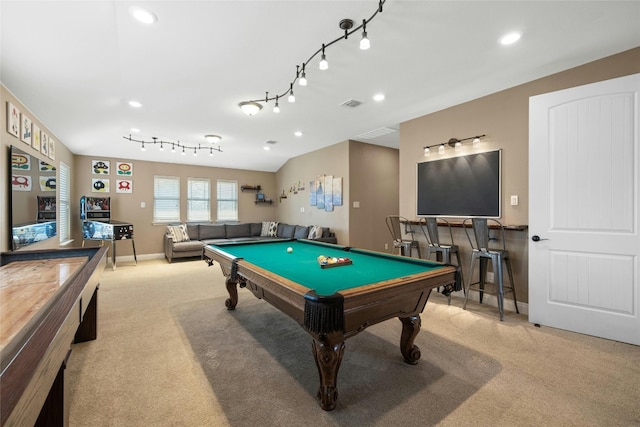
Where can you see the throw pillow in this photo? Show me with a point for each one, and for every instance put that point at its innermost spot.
(273, 229)
(265, 228)
(178, 233)
(315, 232)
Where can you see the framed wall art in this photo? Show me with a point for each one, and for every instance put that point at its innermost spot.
(25, 129)
(100, 185)
(100, 167)
(35, 137)
(124, 186)
(124, 169)
(52, 149)
(13, 120)
(44, 144)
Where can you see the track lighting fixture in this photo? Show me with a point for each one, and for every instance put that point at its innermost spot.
(195, 148)
(254, 106)
(324, 64)
(364, 42)
(303, 77)
(292, 98)
(453, 142)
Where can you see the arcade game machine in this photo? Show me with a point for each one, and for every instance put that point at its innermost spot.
(95, 213)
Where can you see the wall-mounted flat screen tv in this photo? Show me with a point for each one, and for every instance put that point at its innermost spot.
(460, 186)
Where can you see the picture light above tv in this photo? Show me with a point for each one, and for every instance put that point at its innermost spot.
(463, 186)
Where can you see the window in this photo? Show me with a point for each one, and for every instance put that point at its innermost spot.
(63, 205)
(227, 200)
(198, 199)
(166, 199)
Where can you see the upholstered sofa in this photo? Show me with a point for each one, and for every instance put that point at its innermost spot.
(182, 241)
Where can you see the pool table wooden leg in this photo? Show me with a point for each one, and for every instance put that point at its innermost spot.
(232, 288)
(328, 358)
(410, 329)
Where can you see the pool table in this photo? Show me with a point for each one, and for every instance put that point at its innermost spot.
(336, 302)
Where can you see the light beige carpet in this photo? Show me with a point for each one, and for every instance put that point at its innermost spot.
(169, 353)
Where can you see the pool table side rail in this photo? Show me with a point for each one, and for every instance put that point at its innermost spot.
(363, 306)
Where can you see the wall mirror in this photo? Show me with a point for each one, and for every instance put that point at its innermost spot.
(32, 201)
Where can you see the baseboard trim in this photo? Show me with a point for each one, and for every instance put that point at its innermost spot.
(492, 300)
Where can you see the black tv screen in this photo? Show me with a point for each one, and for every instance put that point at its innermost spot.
(460, 186)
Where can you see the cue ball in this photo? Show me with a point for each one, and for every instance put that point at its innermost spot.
(289, 249)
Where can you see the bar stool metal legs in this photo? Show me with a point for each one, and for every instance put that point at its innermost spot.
(498, 257)
(404, 244)
(429, 226)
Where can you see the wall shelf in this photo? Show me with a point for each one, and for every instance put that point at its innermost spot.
(267, 201)
(250, 188)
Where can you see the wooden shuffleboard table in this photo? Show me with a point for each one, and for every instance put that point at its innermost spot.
(333, 301)
(48, 300)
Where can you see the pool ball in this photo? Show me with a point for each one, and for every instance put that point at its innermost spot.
(289, 249)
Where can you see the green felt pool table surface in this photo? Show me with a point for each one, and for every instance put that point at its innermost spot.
(301, 265)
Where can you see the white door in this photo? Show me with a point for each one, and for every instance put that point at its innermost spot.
(584, 175)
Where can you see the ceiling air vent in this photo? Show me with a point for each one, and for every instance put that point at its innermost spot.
(352, 103)
(271, 142)
(377, 133)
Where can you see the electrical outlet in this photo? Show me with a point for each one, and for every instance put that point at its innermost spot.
(514, 200)
(386, 246)
(489, 276)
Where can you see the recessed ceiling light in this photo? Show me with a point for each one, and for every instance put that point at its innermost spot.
(510, 38)
(135, 130)
(135, 104)
(266, 148)
(378, 97)
(143, 15)
(297, 133)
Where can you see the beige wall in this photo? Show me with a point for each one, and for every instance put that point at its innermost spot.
(332, 160)
(127, 207)
(374, 185)
(504, 118)
(6, 140)
(370, 177)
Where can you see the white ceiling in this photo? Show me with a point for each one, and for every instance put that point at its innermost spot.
(76, 64)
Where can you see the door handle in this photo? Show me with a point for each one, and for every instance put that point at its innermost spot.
(537, 238)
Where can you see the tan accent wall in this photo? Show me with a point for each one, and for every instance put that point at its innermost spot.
(504, 118)
(370, 177)
(128, 208)
(62, 154)
(374, 187)
(332, 160)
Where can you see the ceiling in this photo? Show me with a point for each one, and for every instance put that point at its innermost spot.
(76, 65)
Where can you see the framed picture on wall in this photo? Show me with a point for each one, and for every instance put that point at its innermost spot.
(44, 143)
(47, 183)
(124, 186)
(52, 149)
(13, 120)
(20, 183)
(100, 185)
(25, 129)
(124, 169)
(20, 161)
(35, 137)
(337, 191)
(100, 167)
(328, 193)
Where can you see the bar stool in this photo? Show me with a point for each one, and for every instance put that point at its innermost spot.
(481, 251)
(429, 227)
(404, 245)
